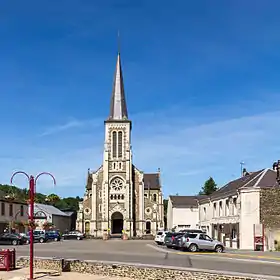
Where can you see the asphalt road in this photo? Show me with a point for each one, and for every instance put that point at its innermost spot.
(145, 252)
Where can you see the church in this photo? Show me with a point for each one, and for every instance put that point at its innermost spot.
(120, 197)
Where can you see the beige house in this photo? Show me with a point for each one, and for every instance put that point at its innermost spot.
(242, 214)
(119, 196)
(236, 212)
(182, 212)
(12, 211)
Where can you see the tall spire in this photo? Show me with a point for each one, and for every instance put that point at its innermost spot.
(118, 109)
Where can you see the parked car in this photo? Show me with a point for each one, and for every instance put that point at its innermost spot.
(159, 239)
(53, 235)
(191, 230)
(176, 240)
(200, 242)
(169, 239)
(12, 239)
(39, 236)
(75, 234)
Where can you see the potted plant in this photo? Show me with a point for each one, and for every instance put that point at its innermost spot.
(106, 234)
(31, 225)
(17, 224)
(47, 225)
(124, 235)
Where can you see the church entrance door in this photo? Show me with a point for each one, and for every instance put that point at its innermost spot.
(117, 222)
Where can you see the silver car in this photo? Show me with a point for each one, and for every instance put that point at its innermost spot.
(195, 242)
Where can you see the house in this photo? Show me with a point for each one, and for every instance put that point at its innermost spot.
(182, 212)
(13, 213)
(243, 214)
(48, 213)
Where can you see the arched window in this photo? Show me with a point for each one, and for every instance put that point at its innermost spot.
(155, 197)
(120, 138)
(114, 144)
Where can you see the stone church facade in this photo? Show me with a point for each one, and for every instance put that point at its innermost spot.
(118, 195)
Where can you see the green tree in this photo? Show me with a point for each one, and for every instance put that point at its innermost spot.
(52, 198)
(209, 187)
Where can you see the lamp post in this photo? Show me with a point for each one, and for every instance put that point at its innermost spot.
(276, 166)
(32, 190)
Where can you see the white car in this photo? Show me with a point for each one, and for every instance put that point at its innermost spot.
(159, 239)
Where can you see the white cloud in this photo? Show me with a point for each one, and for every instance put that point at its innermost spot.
(70, 125)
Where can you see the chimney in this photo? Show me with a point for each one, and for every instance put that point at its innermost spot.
(274, 166)
(244, 172)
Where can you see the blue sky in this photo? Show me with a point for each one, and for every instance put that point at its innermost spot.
(201, 80)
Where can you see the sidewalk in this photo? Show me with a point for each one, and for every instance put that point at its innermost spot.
(43, 274)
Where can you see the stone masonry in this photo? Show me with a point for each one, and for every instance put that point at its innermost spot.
(137, 272)
(270, 207)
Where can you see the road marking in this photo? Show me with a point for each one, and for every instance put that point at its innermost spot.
(235, 255)
(221, 255)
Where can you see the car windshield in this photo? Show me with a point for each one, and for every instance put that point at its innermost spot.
(190, 235)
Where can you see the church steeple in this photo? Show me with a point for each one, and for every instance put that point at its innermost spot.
(118, 109)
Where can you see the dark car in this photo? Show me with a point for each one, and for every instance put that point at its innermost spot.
(176, 240)
(169, 239)
(53, 235)
(75, 234)
(39, 236)
(12, 239)
(191, 231)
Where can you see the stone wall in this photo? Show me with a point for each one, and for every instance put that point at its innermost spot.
(270, 207)
(136, 272)
(269, 217)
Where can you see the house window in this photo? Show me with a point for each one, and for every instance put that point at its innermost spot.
(233, 233)
(204, 213)
(11, 212)
(154, 197)
(234, 206)
(21, 211)
(120, 138)
(227, 208)
(114, 144)
(215, 209)
(221, 208)
(3, 208)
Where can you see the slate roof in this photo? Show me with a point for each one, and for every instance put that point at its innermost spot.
(179, 201)
(49, 209)
(263, 178)
(151, 181)
(118, 108)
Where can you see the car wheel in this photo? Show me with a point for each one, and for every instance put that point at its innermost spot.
(14, 242)
(78, 238)
(169, 247)
(56, 239)
(219, 249)
(41, 240)
(27, 242)
(193, 248)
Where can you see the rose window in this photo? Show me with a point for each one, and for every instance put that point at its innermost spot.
(117, 184)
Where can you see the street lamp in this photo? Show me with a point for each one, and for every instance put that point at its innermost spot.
(32, 190)
(276, 166)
